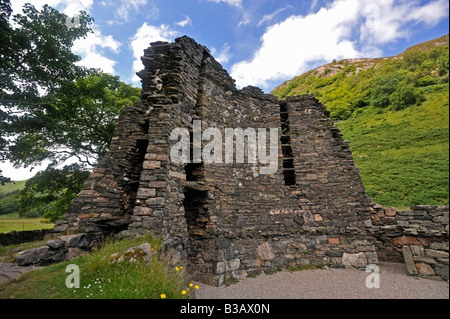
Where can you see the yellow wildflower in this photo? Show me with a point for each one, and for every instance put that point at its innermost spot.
(177, 269)
(163, 296)
(184, 292)
(191, 285)
(197, 287)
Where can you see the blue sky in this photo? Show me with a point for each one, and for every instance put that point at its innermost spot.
(259, 42)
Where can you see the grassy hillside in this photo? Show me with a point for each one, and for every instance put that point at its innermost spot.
(395, 113)
(8, 197)
(101, 279)
(9, 206)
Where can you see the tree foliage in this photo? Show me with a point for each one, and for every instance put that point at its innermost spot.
(50, 192)
(51, 108)
(78, 122)
(35, 61)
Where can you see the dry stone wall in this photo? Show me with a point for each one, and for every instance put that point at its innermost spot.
(419, 237)
(226, 220)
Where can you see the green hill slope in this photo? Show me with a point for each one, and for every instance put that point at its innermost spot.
(9, 203)
(395, 113)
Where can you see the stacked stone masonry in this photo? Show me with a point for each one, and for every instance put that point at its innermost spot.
(419, 237)
(226, 220)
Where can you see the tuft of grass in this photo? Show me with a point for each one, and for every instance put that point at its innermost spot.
(101, 279)
(229, 281)
(305, 267)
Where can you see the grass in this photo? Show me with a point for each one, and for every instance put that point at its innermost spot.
(100, 279)
(403, 156)
(12, 222)
(305, 267)
(7, 253)
(11, 187)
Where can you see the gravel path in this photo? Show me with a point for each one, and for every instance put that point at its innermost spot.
(331, 284)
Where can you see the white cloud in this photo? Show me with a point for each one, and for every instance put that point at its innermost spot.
(127, 7)
(92, 50)
(343, 29)
(145, 35)
(69, 7)
(234, 3)
(390, 20)
(431, 13)
(222, 56)
(269, 17)
(185, 22)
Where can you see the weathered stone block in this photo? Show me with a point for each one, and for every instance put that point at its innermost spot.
(334, 241)
(436, 253)
(143, 211)
(234, 264)
(390, 212)
(354, 260)
(442, 271)
(406, 240)
(145, 193)
(409, 261)
(151, 165)
(418, 251)
(158, 202)
(266, 252)
(440, 245)
(55, 244)
(425, 269)
(318, 218)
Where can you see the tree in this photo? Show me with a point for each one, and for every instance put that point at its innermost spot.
(405, 95)
(51, 108)
(36, 61)
(80, 123)
(383, 88)
(50, 192)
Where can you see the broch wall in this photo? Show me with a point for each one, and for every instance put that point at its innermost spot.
(227, 220)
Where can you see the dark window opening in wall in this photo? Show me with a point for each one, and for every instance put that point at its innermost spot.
(194, 172)
(290, 177)
(133, 184)
(196, 213)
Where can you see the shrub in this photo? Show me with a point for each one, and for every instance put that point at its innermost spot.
(405, 95)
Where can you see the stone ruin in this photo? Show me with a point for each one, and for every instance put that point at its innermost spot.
(226, 220)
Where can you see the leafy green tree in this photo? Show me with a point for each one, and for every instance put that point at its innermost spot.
(383, 88)
(80, 124)
(51, 108)
(443, 63)
(405, 95)
(50, 192)
(35, 62)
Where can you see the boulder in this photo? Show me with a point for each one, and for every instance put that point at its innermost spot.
(135, 254)
(31, 256)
